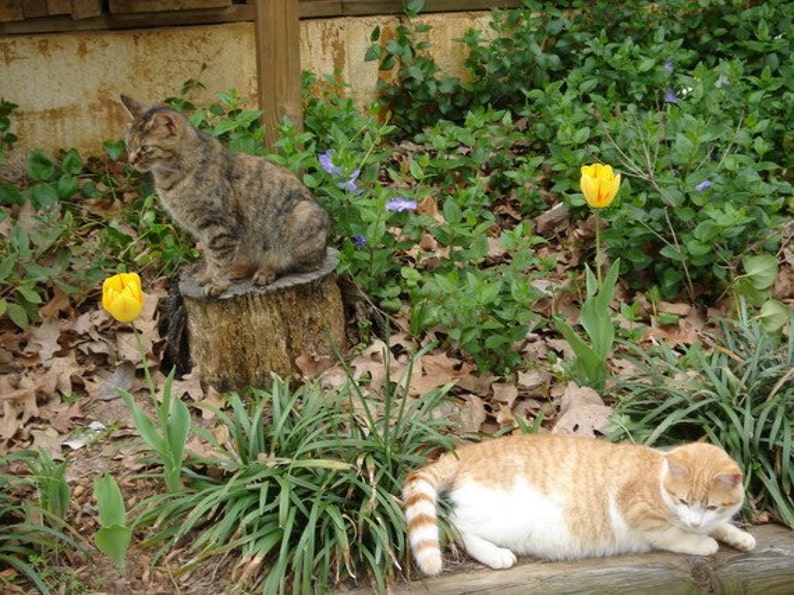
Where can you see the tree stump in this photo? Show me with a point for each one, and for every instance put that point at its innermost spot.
(241, 337)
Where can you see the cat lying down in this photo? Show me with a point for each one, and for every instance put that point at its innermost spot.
(565, 498)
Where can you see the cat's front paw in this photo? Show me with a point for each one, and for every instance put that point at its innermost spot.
(705, 546)
(215, 288)
(264, 276)
(735, 537)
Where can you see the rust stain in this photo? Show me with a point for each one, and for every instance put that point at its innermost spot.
(10, 52)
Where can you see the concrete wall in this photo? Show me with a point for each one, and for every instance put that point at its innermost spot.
(66, 84)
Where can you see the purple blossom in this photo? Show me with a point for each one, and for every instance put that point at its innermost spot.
(400, 204)
(668, 66)
(350, 183)
(703, 185)
(328, 165)
(360, 240)
(670, 96)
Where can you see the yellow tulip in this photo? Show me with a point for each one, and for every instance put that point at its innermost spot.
(122, 296)
(599, 185)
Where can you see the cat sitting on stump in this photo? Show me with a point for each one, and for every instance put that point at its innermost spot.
(252, 218)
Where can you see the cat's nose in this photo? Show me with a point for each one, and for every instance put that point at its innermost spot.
(132, 157)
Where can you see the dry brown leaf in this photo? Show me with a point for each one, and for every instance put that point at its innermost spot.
(504, 393)
(59, 303)
(106, 389)
(679, 309)
(429, 206)
(44, 340)
(49, 440)
(62, 420)
(467, 417)
(57, 377)
(582, 412)
(311, 366)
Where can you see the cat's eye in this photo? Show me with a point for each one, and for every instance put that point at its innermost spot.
(711, 508)
(683, 501)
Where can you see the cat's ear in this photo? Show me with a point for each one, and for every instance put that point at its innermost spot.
(675, 469)
(732, 480)
(167, 121)
(133, 108)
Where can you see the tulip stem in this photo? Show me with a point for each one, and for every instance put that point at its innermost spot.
(144, 361)
(598, 247)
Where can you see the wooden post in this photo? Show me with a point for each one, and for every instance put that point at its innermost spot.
(278, 64)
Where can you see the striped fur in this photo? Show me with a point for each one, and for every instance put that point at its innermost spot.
(252, 218)
(420, 493)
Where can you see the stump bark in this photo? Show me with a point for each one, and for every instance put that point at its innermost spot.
(246, 334)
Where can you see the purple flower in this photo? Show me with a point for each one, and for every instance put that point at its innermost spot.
(400, 204)
(328, 165)
(703, 185)
(350, 184)
(360, 241)
(668, 66)
(670, 96)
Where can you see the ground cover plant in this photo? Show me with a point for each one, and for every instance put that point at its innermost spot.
(485, 282)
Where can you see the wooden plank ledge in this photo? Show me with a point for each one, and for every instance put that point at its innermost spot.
(767, 570)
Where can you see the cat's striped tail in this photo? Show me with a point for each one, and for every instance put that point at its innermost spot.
(420, 492)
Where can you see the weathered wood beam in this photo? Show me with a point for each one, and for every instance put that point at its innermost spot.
(278, 65)
(768, 569)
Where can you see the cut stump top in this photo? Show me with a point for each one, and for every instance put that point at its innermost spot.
(188, 286)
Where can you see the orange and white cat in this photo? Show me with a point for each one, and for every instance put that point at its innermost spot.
(562, 497)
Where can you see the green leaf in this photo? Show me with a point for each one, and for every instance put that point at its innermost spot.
(18, 316)
(114, 149)
(40, 167)
(67, 186)
(113, 541)
(145, 426)
(774, 316)
(71, 163)
(373, 53)
(109, 501)
(762, 270)
(414, 7)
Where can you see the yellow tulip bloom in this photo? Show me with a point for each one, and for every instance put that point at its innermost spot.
(599, 185)
(122, 296)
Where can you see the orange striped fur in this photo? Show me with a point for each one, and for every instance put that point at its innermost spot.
(565, 497)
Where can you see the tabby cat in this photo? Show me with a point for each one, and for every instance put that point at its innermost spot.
(252, 217)
(563, 497)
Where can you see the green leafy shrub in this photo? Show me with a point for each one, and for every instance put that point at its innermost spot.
(304, 487)
(692, 108)
(417, 95)
(740, 395)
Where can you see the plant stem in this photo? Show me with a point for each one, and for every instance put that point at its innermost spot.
(598, 248)
(142, 351)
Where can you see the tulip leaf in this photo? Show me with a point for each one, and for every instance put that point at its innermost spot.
(113, 541)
